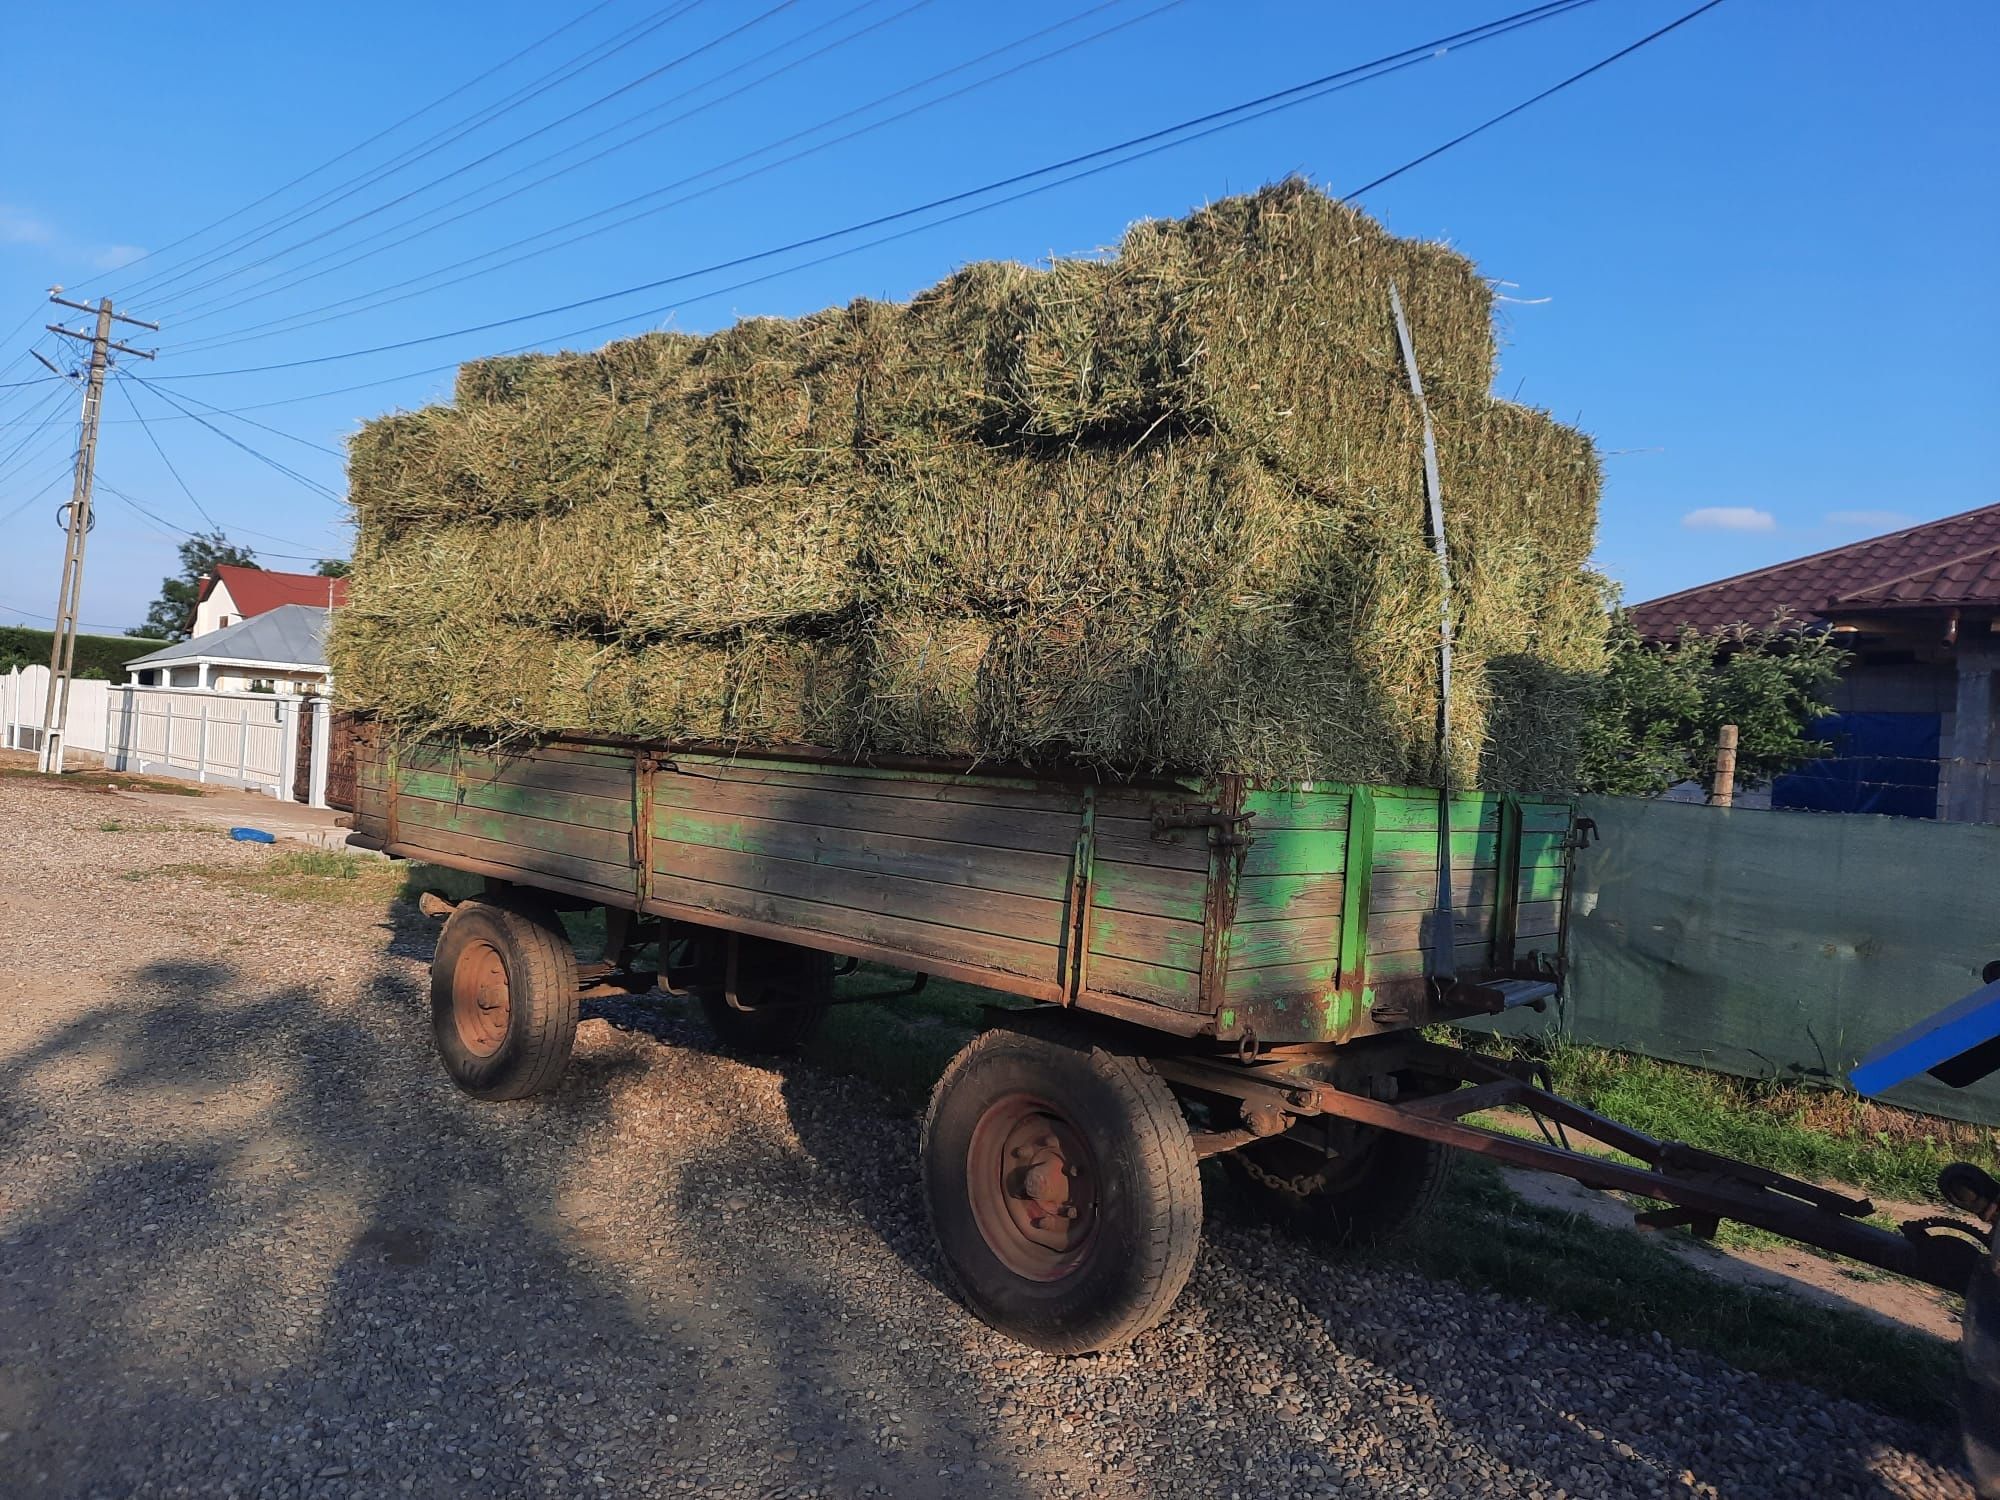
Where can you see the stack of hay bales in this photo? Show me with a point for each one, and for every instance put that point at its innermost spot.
(1160, 511)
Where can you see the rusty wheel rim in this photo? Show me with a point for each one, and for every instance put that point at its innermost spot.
(481, 1005)
(1032, 1183)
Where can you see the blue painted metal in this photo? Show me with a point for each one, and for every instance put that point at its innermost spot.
(1933, 1044)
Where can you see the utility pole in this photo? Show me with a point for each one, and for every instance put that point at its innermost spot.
(77, 521)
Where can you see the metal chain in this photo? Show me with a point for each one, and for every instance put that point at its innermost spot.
(1302, 1186)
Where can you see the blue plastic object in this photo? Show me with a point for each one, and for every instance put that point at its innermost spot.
(252, 836)
(1959, 1045)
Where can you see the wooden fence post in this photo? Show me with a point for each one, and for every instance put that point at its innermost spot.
(1725, 767)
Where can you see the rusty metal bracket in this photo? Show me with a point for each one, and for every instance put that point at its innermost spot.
(1225, 828)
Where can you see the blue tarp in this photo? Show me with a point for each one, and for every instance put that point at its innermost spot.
(1881, 763)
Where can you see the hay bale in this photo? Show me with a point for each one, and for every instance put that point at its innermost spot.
(1163, 511)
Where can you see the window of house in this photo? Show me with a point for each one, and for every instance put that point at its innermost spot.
(263, 685)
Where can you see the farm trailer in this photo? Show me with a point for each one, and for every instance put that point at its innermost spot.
(1218, 968)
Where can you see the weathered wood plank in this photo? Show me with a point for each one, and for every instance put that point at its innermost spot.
(439, 845)
(1415, 889)
(1397, 931)
(1264, 897)
(587, 809)
(600, 845)
(918, 938)
(534, 768)
(1295, 809)
(1293, 940)
(959, 790)
(1471, 812)
(1404, 848)
(996, 913)
(1148, 940)
(1151, 890)
(1179, 850)
(947, 862)
(1310, 977)
(1286, 851)
(1467, 957)
(1536, 919)
(915, 817)
(1163, 986)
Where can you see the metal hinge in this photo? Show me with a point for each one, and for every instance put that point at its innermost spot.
(1225, 829)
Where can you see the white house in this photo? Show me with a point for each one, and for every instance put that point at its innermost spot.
(281, 650)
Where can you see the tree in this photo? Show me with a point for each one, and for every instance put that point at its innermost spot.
(1658, 710)
(334, 567)
(170, 613)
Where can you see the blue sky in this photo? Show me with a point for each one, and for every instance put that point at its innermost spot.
(1754, 259)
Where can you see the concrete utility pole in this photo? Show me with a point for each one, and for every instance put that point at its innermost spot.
(77, 522)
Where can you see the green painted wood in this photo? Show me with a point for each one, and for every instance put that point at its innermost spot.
(1414, 963)
(958, 790)
(1398, 931)
(958, 822)
(1177, 988)
(529, 834)
(1358, 898)
(586, 809)
(1416, 888)
(917, 938)
(1016, 871)
(1401, 849)
(1142, 939)
(1294, 808)
(1149, 890)
(1261, 898)
(1417, 810)
(442, 846)
(1288, 940)
(1289, 851)
(1314, 978)
(984, 912)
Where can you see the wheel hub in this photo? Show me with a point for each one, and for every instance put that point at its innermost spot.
(481, 1004)
(1031, 1179)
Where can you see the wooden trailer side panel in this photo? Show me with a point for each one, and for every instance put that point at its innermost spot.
(970, 876)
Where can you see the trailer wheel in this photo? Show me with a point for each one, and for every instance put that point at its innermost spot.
(503, 998)
(1063, 1190)
(787, 989)
(1373, 1191)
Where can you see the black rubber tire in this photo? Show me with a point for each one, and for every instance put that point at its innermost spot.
(797, 981)
(1147, 1209)
(1394, 1183)
(540, 968)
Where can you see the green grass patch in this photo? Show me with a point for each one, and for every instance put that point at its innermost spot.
(1822, 1135)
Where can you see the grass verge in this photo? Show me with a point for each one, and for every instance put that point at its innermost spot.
(1822, 1135)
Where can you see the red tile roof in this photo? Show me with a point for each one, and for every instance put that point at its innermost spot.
(255, 590)
(1940, 564)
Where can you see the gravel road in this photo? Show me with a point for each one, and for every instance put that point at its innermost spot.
(252, 1243)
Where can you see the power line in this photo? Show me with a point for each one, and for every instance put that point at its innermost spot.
(434, 143)
(236, 442)
(477, 162)
(233, 415)
(60, 473)
(201, 310)
(362, 146)
(32, 615)
(1508, 114)
(225, 340)
(147, 428)
(159, 519)
(1156, 140)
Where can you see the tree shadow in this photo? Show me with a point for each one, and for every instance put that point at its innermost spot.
(252, 1241)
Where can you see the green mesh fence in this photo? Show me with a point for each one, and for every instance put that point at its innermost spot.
(1779, 944)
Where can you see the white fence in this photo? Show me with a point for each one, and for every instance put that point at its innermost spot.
(24, 696)
(247, 740)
